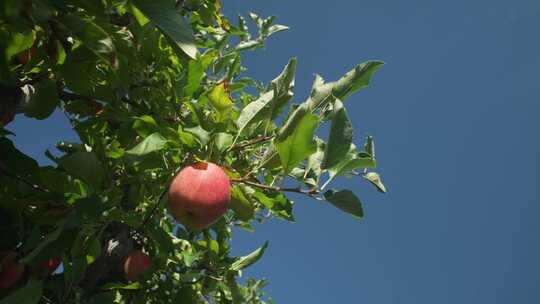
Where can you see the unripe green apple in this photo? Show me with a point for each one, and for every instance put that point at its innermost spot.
(199, 195)
(11, 271)
(135, 263)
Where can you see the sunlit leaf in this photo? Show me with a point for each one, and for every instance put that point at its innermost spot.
(299, 144)
(322, 93)
(249, 259)
(375, 180)
(153, 142)
(163, 15)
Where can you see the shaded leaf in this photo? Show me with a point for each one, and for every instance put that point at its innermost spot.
(51, 237)
(91, 35)
(29, 294)
(42, 104)
(85, 166)
(346, 201)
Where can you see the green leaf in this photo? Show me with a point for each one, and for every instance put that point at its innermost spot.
(153, 142)
(200, 134)
(15, 160)
(249, 259)
(220, 99)
(223, 141)
(145, 125)
(85, 166)
(42, 104)
(18, 42)
(240, 204)
(340, 139)
(346, 201)
(299, 144)
(196, 72)
(322, 94)
(51, 237)
(370, 146)
(352, 160)
(249, 45)
(29, 294)
(164, 16)
(375, 180)
(94, 250)
(269, 104)
(314, 164)
(91, 35)
(114, 286)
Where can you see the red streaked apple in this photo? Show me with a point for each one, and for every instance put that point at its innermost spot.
(11, 271)
(199, 195)
(135, 263)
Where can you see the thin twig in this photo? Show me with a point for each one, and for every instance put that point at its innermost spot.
(251, 142)
(309, 192)
(149, 215)
(16, 177)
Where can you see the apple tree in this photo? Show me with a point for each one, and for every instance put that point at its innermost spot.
(150, 88)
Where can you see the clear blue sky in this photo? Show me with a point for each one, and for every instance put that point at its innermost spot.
(455, 115)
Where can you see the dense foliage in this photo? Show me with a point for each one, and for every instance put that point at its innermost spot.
(149, 87)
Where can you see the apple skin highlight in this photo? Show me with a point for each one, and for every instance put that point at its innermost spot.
(199, 195)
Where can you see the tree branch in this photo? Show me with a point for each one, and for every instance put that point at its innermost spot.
(153, 210)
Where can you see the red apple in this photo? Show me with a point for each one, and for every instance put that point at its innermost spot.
(50, 265)
(25, 56)
(135, 263)
(199, 195)
(11, 271)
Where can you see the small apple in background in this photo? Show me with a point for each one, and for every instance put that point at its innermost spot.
(25, 56)
(135, 263)
(11, 271)
(199, 195)
(50, 265)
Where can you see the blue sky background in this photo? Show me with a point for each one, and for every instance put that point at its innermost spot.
(455, 118)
